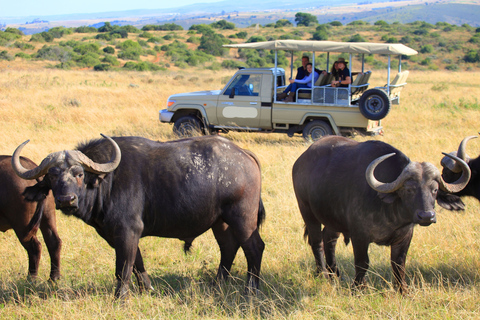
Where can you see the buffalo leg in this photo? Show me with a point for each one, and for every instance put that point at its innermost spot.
(360, 252)
(141, 274)
(53, 243)
(253, 248)
(398, 257)
(34, 251)
(313, 228)
(329, 243)
(228, 248)
(126, 244)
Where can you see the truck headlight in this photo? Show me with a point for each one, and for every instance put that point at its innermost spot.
(170, 103)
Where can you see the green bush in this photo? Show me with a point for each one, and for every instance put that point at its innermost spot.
(85, 29)
(83, 48)
(14, 31)
(4, 55)
(102, 67)
(232, 64)
(335, 23)
(193, 39)
(111, 59)
(23, 46)
(54, 53)
(472, 56)
(223, 25)
(356, 38)
(130, 54)
(212, 43)
(23, 55)
(428, 48)
(452, 67)
(109, 49)
(42, 37)
(59, 32)
(168, 37)
(256, 38)
(163, 27)
(155, 40)
(283, 23)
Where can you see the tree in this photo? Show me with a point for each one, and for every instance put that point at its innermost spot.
(283, 23)
(305, 19)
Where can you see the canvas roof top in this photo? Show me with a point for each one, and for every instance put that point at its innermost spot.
(329, 46)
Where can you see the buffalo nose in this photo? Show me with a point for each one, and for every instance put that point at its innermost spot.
(68, 200)
(426, 218)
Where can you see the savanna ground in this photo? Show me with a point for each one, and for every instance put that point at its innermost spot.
(56, 109)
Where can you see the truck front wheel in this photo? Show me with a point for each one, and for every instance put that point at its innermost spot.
(187, 126)
(316, 129)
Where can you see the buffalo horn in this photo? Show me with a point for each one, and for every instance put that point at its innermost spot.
(458, 185)
(61, 156)
(386, 187)
(461, 153)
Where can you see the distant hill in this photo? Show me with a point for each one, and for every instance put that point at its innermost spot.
(251, 12)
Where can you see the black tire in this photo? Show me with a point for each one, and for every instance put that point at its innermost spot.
(187, 126)
(316, 129)
(374, 104)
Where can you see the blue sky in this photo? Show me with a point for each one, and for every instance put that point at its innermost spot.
(23, 8)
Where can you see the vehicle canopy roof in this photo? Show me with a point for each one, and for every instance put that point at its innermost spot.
(329, 46)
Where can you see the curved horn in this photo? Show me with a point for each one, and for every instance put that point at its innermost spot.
(452, 165)
(98, 168)
(37, 172)
(458, 185)
(385, 187)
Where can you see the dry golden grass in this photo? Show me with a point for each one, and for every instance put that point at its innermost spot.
(57, 109)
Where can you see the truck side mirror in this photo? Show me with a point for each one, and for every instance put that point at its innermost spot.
(232, 93)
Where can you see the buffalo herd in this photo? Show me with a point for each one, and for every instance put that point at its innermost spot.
(131, 187)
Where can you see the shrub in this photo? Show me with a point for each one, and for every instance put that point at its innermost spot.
(452, 67)
(23, 55)
(193, 39)
(335, 23)
(130, 54)
(58, 32)
(109, 49)
(54, 53)
(4, 55)
(23, 45)
(241, 34)
(223, 25)
(256, 39)
(85, 29)
(16, 31)
(201, 28)
(41, 37)
(111, 59)
(102, 67)
(472, 56)
(83, 48)
(163, 27)
(428, 48)
(283, 23)
(232, 64)
(212, 43)
(356, 38)
(380, 23)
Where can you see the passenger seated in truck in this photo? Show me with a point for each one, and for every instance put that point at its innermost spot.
(344, 78)
(306, 82)
(302, 70)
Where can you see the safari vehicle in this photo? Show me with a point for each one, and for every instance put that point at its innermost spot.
(249, 103)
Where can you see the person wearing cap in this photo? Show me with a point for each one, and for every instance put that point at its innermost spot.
(344, 78)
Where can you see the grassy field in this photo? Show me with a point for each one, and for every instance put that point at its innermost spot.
(57, 109)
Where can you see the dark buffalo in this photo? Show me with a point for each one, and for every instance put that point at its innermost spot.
(26, 217)
(177, 189)
(336, 187)
(451, 171)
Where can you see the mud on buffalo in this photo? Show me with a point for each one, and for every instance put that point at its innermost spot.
(132, 187)
(369, 192)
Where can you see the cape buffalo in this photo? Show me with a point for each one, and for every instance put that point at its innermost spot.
(26, 217)
(451, 171)
(177, 189)
(336, 187)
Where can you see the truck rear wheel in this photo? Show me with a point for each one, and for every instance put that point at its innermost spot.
(316, 129)
(374, 104)
(187, 126)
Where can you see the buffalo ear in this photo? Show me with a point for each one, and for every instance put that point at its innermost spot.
(37, 192)
(387, 197)
(450, 201)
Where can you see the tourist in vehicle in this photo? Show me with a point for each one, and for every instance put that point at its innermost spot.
(302, 70)
(344, 78)
(306, 82)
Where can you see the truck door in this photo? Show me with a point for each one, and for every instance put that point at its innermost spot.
(239, 105)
